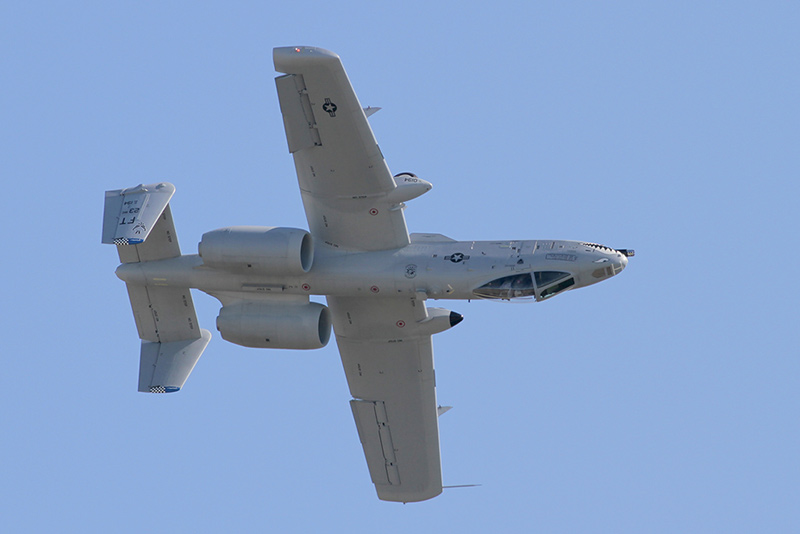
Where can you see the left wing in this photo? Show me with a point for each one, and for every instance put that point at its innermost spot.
(387, 356)
(343, 177)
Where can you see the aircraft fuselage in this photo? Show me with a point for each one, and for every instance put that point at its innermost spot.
(428, 267)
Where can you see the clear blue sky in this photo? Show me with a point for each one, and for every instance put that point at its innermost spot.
(663, 400)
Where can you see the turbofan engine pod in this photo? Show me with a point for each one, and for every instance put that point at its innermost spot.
(258, 249)
(267, 325)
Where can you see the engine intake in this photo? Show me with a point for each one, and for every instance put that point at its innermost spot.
(276, 325)
(258, 249)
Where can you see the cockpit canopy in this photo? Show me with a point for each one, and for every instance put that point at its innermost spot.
(547, 283)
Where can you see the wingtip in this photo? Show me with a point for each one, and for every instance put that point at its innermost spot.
(287, 58)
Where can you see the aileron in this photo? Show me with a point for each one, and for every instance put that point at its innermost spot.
(376, 438)
(298, 117)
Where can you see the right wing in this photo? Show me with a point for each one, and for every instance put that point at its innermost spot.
(388, 361)
(343, 177)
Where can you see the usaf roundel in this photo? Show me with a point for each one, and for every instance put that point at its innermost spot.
(458, 257)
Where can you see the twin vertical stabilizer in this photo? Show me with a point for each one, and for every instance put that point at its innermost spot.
(139, 221)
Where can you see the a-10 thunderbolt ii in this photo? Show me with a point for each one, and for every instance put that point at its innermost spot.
(357, 253)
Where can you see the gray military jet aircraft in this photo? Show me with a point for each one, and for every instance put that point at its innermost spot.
(358, 254)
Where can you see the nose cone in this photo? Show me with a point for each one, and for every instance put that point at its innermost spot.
(618, 264)
(602, 262)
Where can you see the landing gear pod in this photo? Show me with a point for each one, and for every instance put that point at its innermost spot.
(407, 187)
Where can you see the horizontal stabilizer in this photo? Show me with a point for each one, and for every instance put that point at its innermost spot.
(130, 214)
(163, 314)
(164, 367)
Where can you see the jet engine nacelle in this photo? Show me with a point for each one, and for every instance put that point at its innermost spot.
(268, 325)
(258, 249)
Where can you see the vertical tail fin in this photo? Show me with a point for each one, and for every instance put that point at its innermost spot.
(164, 367)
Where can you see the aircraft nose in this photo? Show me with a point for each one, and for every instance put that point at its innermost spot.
(623, 255)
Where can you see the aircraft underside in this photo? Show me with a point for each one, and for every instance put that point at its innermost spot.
(376, 277)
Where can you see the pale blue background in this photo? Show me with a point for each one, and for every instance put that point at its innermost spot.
(663, 400)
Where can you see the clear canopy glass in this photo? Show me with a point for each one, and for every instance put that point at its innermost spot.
(549, 284)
